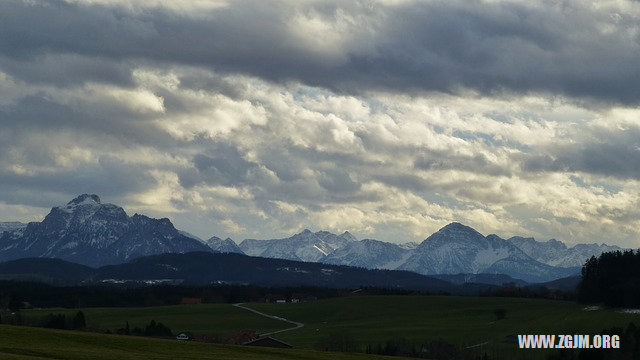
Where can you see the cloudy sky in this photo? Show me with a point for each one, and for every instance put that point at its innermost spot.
(386, 118)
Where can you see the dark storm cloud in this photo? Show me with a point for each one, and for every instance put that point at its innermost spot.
(442, 160)
(36, 113)
(67, 69)
(558, 48)
(609, 153)
(108, 177)
(338, 181)
(222, 164)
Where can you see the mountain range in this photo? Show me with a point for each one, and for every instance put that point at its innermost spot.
(88, 232)
(207, 268)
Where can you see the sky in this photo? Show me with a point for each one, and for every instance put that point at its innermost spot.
(389, 118)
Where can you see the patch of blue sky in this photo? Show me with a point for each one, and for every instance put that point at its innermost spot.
(490, 139)
(608, 187)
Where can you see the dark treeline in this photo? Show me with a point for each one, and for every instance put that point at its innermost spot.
(155, 329)
(51, 321)
(612, 279)
(537, 292)
(15, 295)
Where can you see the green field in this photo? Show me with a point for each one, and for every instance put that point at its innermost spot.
(19, 342)
(461, 321)
(210, 319)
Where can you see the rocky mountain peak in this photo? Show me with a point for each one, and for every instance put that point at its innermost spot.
(85, 199)
(458, 227)
(226, 246)
(348, 236)
(91, 233)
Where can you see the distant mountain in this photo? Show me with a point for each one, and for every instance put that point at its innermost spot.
(91, 233)
(556, 253)
(204, 268)
(368, 253)
(569, 283)
(208, 268)
(454, 249)
(224, 246)
(187, 234)
(304, 246)
(46, 270)
(11, 226)
(491, 279)
(409, 245)
(457, 248)
(87, 232)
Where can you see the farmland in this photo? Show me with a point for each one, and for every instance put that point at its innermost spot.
(370, 320)
(213, 319)
(17, 342)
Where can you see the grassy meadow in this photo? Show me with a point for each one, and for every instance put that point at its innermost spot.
(211, 319)
(462, 321)
(19, 342)
(370, 320)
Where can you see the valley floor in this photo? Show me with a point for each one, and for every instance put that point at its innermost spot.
(19, 342)
(370, 321)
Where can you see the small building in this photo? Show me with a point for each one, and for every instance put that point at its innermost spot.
(26, 305)
(184, 336)
(268, 341)
(190, 301)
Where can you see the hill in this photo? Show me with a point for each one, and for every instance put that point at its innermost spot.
(205, 268)
(231, 268)
(50, 270)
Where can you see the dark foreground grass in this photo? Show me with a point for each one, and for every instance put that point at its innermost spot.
(18, 342)
(211, 319)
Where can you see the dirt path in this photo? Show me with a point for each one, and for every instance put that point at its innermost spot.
(297, 325)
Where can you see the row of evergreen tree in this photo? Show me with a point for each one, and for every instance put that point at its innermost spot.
(612, 279)
(156, 329)
(51, 321)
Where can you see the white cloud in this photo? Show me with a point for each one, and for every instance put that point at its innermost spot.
(323, 116)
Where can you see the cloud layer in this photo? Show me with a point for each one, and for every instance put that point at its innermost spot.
(385, 118)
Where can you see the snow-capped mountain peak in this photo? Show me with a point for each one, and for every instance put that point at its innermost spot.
(305, 246)
(84, 200)
(555, 253)
(225, 246)
(348, 236)
(89, 232)
(457, 248)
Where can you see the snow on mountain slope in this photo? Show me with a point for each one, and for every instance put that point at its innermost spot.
(11, 226)
(556, 253)
(304, 246)
(460, 249)
(369, 253)
(187, 234)
(409, 245)
(225, 246)
(88, 232)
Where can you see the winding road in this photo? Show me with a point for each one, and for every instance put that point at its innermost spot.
(297, 325)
